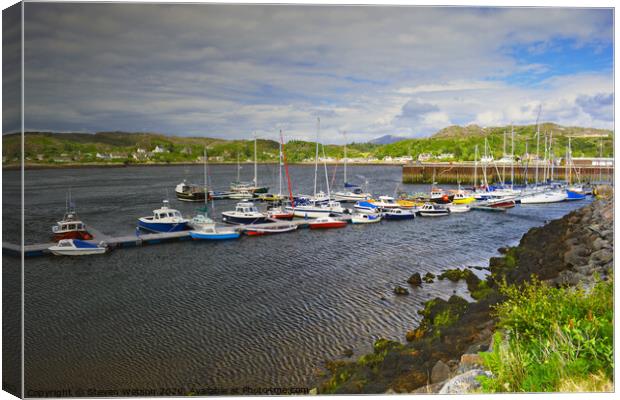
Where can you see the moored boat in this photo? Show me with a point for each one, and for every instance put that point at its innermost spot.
(70, 227)
(76, 247)
(362, 218)
(214, 233)
(458, 208)
(269, 230)
(398, 214)
(244, 213)
(366, 208)
(552, 196)
(572, 195)
(432, 210)
(326, 223)
(164, 219)
(189, 192)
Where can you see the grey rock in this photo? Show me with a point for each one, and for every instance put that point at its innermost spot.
(576, 255)
(599, 243)
(401, 291)
(432, 388)
(569, 278)
(440, 372)
(603, 256)
(464, 383)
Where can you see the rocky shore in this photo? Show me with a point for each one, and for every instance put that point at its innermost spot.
(441, 355)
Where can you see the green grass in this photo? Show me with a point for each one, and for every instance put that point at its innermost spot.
(552, 338)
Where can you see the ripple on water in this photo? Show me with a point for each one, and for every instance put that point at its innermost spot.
(260, 311)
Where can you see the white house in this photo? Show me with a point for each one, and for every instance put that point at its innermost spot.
(159, 149)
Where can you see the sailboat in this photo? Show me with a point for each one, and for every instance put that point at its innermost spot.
(248, 187)
(278, 212)
(573, 192)
(351, 193)
(319, 205)
(204, 227)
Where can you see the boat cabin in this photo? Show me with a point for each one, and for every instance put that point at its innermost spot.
(246, 208)
(69, 226)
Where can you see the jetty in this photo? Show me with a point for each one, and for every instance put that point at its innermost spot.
(143, 239)
(464, 172)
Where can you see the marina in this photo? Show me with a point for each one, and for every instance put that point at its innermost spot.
(219, 280)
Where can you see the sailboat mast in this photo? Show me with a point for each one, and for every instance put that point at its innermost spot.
(345, 157)
(255, 165)
(205, 178)
(280, 168)
(570, 162)
(504, 163)
(238, 168)
(512, 156)
(475, 167)
(329, 196)
(316, 156)
(288, 177)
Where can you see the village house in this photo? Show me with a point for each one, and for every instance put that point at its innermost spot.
(159, 149)
(422, 157)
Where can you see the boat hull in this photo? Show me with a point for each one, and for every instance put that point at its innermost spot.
(269, 231)
(372, 219)
(191, 197)
(77, 252)
(328, 225)
(433, 213)
(397, 217)
(544, 198)
(214, 235)
(81, 235)
(313, 212)
(573, 195)
(237, 220)
(161, 227)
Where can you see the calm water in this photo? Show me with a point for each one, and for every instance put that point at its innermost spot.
(260, 311)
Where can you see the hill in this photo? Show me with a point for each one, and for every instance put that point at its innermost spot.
(456, 131)
(453, 143)
(387, 139)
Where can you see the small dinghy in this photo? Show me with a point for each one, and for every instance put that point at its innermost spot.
(327, 223)
(75, 247)
(279, 212)
(432, 210)
(211, 232)
(260, 231)
(458, 208)
(398, 213)
(361, 218)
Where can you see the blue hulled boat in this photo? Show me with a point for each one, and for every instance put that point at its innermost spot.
(164, 219)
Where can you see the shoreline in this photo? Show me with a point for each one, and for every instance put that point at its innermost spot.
(17, 167)
(443, 353)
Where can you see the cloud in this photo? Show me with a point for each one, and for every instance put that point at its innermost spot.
(229, 70)
(599, 106)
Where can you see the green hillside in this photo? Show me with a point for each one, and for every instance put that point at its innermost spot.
(45, 148)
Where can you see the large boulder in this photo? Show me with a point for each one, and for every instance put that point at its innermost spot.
(415, 279)
(464, 383)
(440, 372)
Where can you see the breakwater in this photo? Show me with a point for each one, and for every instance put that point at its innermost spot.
(465, 173)
(442, 354)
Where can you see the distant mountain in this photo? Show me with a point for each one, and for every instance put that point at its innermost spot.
(387, 139)
(456, 131)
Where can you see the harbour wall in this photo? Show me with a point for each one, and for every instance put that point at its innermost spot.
(465, 172)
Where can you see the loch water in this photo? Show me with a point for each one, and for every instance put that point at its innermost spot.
(257, 312)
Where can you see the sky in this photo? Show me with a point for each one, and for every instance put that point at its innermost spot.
(231, 70)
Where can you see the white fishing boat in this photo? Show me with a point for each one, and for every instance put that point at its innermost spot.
(244, 213)
(361, 218)
(269, 230)
(241, 194)
(76, 247)
(432, 210)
